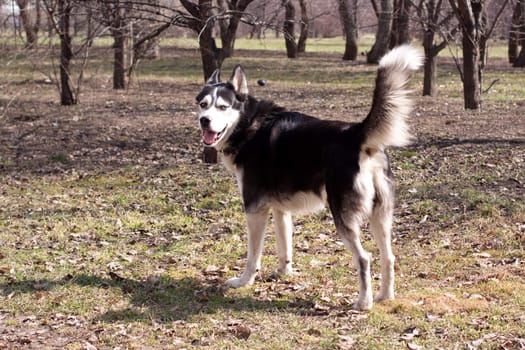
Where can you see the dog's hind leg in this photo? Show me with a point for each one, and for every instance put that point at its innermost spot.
(348, 229)
(283, 236)
(381, 228)
(256, 223)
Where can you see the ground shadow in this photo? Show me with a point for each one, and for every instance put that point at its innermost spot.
(444, 142)
(164, 299)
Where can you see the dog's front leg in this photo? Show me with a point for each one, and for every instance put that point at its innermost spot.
(256, 230)
(283, 231)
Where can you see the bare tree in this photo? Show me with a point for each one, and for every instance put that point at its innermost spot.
(346, 12)
(384, 30)
(401, 23)
(289, 28)
(114, 14)
(229, 24)
(305, 23)
(517, 35)
(31, 25)
(67, 97)
(434, 22)
(59, 13)
(201, 19)
(475, 33)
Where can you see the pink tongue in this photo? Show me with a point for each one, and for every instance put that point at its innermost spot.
(209, 137)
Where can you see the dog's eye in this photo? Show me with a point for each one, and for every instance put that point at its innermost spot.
(223, 108)
(203, 105)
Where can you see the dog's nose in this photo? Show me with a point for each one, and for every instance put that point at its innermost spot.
(205, 122)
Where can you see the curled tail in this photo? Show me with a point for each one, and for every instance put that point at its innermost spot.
(386, 123)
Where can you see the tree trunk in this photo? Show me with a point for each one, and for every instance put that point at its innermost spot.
(384, 30)
(426, 13)
(209, 53)
(228, 29)
(288, 29)
(470, 14)
(229, 26)
(118, 31)
(350, 30)
(429, 78)
(119, 61)
(67, 96)
(519, 61)
(301, 43)
(201, 25)
(30, 29)
(514, 33)
(400, 23)
(471, 82)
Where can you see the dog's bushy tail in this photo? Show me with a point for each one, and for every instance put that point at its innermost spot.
(386, 123)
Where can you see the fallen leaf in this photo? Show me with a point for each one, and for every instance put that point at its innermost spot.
(322, 308)
(482, 255)
(127, 289)
(40, 286)
(152, 281)
(89, 346)
(314, 332)
(211, 269)
(413, 346)
(201, 296)
(5, 269)
(410, 333)
(115, 277)
(242, 332)
(346, 342)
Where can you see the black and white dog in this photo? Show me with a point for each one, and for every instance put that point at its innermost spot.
(289, 162)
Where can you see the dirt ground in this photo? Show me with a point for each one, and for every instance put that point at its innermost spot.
(154, 121)
(153, 125)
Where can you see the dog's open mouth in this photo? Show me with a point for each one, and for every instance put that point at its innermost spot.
(210, 137)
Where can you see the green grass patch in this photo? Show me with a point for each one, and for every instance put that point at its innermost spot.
(113, 232)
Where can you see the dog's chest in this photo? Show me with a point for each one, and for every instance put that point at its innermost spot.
(227, 160)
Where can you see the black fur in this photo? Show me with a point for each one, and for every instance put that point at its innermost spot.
(282, 153)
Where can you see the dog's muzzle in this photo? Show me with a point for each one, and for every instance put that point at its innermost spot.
(209, 137)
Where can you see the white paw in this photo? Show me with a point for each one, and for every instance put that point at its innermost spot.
(238, 282)
(384, 296)
(286, 271)
(363, 304)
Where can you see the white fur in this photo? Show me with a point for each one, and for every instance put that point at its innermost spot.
(256, 226)
(283, 236)
(223, 121)
(405, 56)
(393, 112)
(301, 203)
(364, 183)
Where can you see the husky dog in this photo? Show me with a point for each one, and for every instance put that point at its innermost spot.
(289, 163)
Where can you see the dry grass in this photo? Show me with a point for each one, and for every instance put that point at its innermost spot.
(113, 234)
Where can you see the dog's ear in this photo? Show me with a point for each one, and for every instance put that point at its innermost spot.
(214, 78)
(238, 80)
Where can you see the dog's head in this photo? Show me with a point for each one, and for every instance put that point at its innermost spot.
(220, 107)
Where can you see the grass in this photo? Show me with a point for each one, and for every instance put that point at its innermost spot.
(113, 233)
